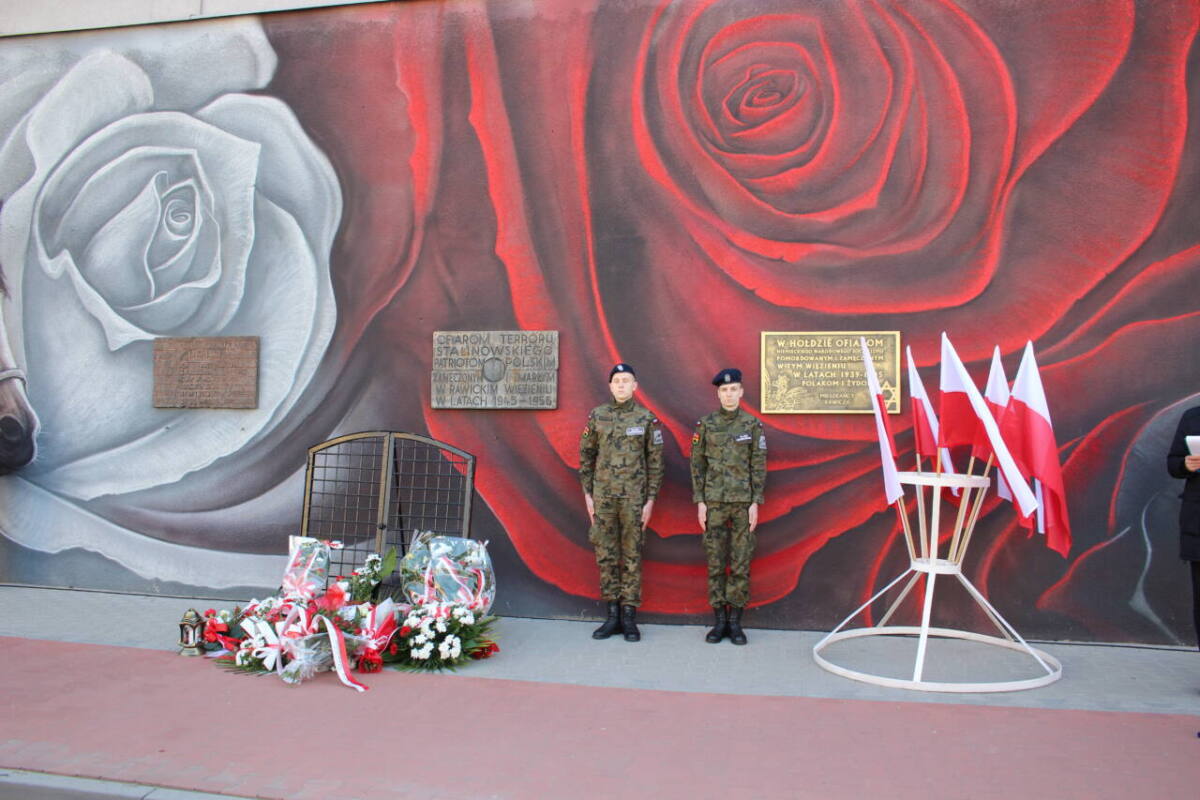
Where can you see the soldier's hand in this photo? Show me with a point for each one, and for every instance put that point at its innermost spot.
(647, 510)
(591, 508)
(1192, 463)
(752, 513)
(702, 515)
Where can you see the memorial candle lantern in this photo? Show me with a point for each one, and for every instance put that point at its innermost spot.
(191, 631)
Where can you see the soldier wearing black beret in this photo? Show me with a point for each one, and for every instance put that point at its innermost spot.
(729, 470)
(621, 469)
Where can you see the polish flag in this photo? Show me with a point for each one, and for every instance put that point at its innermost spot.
(956, 379)
(925, 419)
(996, 397)
(959, 420)
(995, 394)
(887, 447)
(1027, 427)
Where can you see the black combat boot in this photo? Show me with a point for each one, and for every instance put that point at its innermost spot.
(736, 634)
(721, 629)
(612, 624)
(629, 624)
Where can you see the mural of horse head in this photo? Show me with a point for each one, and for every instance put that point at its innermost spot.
(18, 423)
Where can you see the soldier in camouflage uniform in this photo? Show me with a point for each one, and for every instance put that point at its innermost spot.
(729, 469)
(621, 469)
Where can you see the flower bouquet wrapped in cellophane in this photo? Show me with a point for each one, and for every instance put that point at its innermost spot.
(308, 568)
(448, 570)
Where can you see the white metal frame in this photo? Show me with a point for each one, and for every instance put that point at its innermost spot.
(972, 488)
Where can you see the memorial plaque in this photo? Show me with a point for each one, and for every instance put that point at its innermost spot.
(206, 372)
(495, 369)
(821, 372)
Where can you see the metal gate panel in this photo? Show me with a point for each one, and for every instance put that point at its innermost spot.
(375, 490)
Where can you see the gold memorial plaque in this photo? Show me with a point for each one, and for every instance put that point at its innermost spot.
(821, 372)
(206, 372)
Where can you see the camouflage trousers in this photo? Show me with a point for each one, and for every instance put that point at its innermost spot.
(729, 546)
(617, 536)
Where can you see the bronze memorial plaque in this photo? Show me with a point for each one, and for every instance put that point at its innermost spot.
(495, 369)
(821, 372)
(206, 372)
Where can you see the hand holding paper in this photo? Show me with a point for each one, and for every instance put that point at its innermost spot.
(1191, 462)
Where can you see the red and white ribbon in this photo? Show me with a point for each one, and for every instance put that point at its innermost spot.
(340, 661)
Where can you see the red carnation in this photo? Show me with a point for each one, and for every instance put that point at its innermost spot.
(370, 661)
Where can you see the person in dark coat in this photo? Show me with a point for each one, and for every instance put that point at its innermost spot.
(1183, 465)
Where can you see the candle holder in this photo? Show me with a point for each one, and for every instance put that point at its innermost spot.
(191, 631)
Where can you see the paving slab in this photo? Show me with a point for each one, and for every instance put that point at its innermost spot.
(676, 657)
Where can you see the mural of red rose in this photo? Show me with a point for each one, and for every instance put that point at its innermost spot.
(662, 181)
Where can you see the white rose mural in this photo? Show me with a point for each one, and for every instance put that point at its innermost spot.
(129, 214)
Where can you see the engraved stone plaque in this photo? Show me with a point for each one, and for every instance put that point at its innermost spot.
(495, 369)
(821, 372)
(206, 372)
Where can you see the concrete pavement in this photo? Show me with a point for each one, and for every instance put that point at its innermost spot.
(1138, 682)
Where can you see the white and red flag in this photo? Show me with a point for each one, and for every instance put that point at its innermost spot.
(995, 394)
(1028, 430)
(925, 419)
(959, 421)
(887, 446)
(961, 384)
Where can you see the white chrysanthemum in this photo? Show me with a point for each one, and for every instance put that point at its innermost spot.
(441, 626)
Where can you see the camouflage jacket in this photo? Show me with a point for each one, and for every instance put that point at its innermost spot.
(621, 452)
(729, 458)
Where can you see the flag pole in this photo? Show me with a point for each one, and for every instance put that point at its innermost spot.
(902, 511)
(921, 509)
(964, 501)
(974, 519)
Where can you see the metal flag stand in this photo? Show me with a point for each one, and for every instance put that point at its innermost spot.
(973, 489)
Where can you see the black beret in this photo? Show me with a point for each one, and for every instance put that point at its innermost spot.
(622, 367)
(730, 375)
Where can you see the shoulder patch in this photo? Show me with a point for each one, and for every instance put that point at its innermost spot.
(658, 439)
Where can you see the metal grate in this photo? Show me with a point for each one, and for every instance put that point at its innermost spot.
(374, 490)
